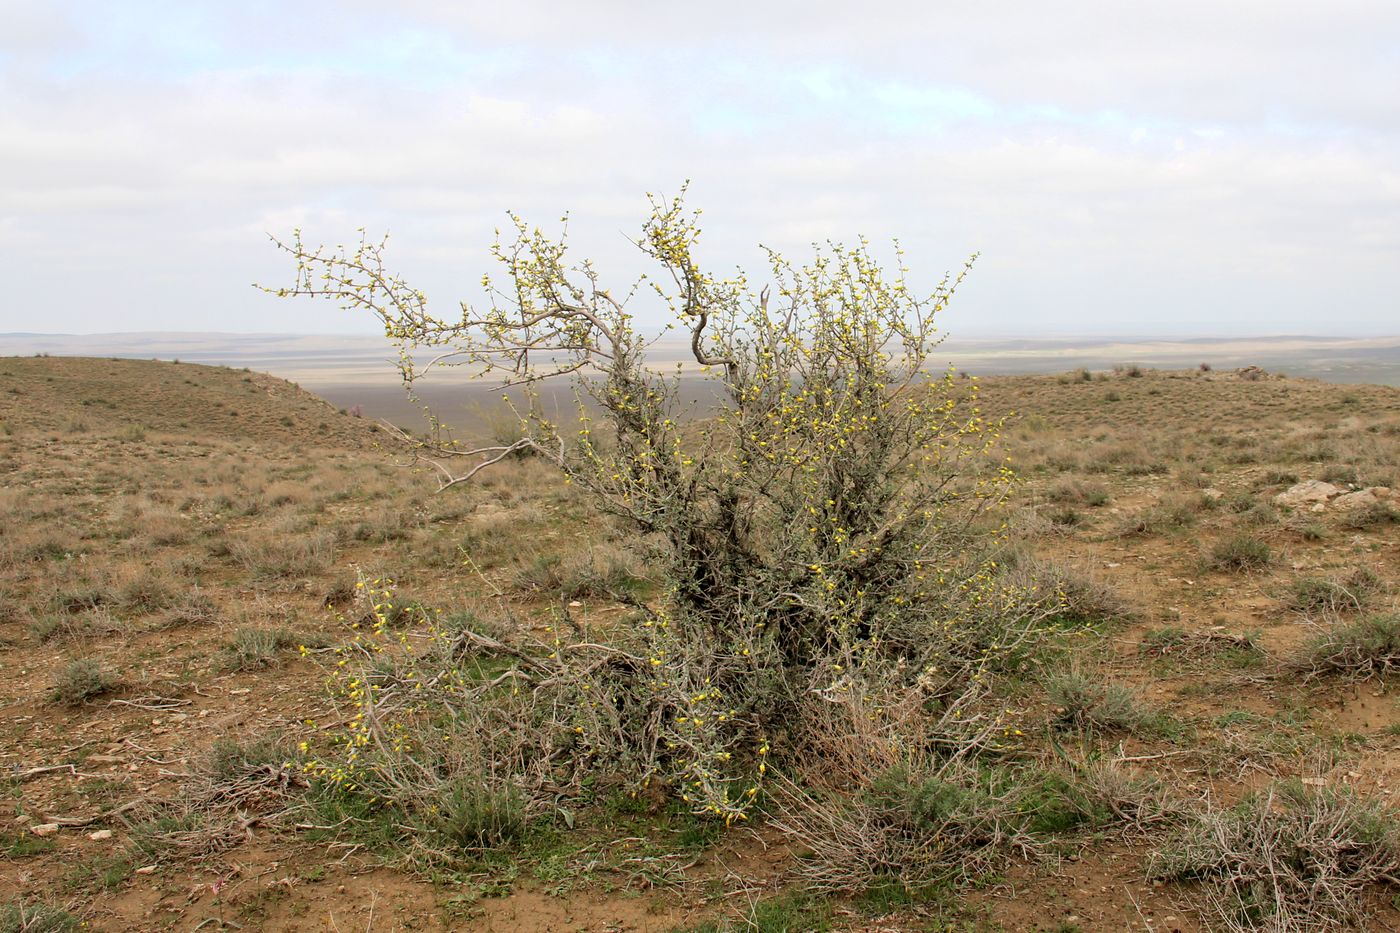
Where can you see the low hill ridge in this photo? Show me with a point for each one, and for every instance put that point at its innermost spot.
(209, 402)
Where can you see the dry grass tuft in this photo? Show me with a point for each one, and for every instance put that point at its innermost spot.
(235, 789)
(81, 680)
(919, 829)
(1294, 860)
(1087, 703)
(1359, 649)
(1346, 593)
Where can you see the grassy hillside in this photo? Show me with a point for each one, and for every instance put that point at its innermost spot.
(179, 558)
(76, 396)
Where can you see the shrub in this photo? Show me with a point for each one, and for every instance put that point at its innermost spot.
(1241, 552)
(252, 647)
(1370, 515)
(1340, 474)
(1081, 599)
(1308, 530)
(90, 623)
(1332, 595)
(914, 827)
(1242, 502)
(232, 788)
(146, 593)
(81, 680)
(819, 539)
(1360, 648)
(600, 572)
(1172, 514)
(1174, 642)
(1070, 491)
(1088, 703)
(476, 815)
(194, 609)
(285, 553)
(1293, 859)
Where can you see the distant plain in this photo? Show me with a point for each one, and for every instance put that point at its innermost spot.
(352, 371)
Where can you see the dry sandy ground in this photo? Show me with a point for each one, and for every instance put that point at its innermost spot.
(157, 514)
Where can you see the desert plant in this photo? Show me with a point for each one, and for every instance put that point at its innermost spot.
(1070, 491)
(1340, 474)
(1293, 859)
(478, 815)
(1370, 515)
(286, 554)
(1360, 648)
(36, 918)
(195, 608)
(252, 647)
(1083, 599)
(234, 787)
(1175, 642)
(1171, 514)
(913, 827)
(1241, 552)
(81, 680)
(1091, 704)
(1332, 594)
(819, 530)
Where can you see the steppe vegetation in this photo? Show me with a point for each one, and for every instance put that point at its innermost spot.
(211, 581)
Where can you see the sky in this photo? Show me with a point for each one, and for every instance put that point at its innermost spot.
(1126, 168)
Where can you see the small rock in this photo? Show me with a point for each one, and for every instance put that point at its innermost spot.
(44, 829)
(1362, 498)
(23, 818)
(1312, 492)
(146, 870)
(100, 834)
(575, 604)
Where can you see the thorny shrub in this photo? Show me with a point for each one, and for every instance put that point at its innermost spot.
(832, 603)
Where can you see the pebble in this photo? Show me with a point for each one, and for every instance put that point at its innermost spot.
(146, 870)
(100, 834)
(44, 829)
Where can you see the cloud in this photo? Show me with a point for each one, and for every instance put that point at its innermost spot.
(1124, 168)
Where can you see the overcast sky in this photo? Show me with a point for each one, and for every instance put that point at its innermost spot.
(1178, 168)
